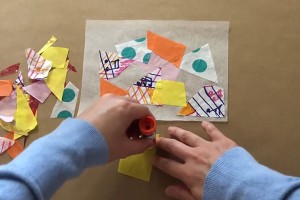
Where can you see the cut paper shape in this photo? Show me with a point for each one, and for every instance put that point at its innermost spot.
(166, 48)
(5, 88)
(57, 55)
(17, 136)
(168, 70)
(15, 149)
(107, 87)
(24, 118)
(169, 93)
(150, 80)
(33, 104)
(135, 50)
(71, 67)
(111, 65)
(142, 90)
(50, 42)
(8, 106)
(5, 143)
(19, 80)
(10, 70)
(66, 107)
(139, 165)
(38, 67)
(208, 102)
(38, 90)
(200, 63)
(56, 80)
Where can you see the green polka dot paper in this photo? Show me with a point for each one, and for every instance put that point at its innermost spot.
(200, 63)
(135, 50)
(66, 107)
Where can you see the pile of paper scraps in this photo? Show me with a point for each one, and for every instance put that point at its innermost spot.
(46, 70)
(165, 58)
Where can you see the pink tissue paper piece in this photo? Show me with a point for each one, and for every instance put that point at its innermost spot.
(8, 107)
(39, 90)
(5, 144)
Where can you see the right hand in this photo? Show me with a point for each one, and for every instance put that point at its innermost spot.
(197, 157)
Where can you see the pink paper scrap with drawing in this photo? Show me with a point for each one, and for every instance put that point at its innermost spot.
(8, 106)
(39, 90)
(143, 88)
(5, 143)
(208, 102)
(38, 67)
(19, 80)
(111, 65)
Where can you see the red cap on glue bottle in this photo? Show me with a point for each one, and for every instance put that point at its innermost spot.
(147, 125)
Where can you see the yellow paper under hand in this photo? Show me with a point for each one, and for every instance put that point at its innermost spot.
(56, 80)
(25, 121)
(57, 55)
(169, 93)
(48, 44)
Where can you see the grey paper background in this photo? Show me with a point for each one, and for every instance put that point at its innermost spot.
(105, 34)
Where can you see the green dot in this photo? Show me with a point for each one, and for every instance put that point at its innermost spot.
(146, 58)
(140, 39)
(128, 52)
(64, 114)
(199, 65)
(196, 50)
(68, 95)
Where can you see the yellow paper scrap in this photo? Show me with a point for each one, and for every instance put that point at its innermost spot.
(169, 93)
(56, 80)
(57, 55)
(138, 166)
(48, 44)
(17, 136)
(25, 121)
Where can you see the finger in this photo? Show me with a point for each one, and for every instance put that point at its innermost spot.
(137, 111)
(174, 147)
(171, 167)
(180, 192)
(186, 137)
(138, 146)
(212, 131)
(130, 99)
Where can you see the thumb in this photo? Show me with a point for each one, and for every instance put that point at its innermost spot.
(179, 192)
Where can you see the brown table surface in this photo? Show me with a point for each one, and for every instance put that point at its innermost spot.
(264, 70)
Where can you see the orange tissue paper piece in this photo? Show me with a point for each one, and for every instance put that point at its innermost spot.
(106, 88)
(16, 149)
(5, 88)
(166, 48)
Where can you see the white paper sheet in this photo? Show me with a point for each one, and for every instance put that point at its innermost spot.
(102, 34)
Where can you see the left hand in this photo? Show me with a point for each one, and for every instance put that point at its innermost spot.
(112, 115)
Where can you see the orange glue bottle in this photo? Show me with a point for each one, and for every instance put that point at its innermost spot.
(142, 128)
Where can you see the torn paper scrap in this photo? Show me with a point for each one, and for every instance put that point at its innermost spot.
(57, 55)
(17, 136)
(15, 149)
(150, 79)
(5, 88)
(200, 63)
(56, 80)
(168, 70)
(49, 43)
(5, 143)
(138, 166)
(38, 67)
(169, 93)
(166, 48)
(111, 65)
(71, 67)
(66, 107)
(33, 104)
(38, 90)
(208, 102)
(135, 50)
(107, 87)
(8, 107)
(142, 94)
(10, 70)
(19, 80)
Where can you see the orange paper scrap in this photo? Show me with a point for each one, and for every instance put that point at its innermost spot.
(166, 48)
(106, 87)
(16, 149)
(5, 88)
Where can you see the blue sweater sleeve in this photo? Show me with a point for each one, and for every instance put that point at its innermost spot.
(51, 160)
(237, 175)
